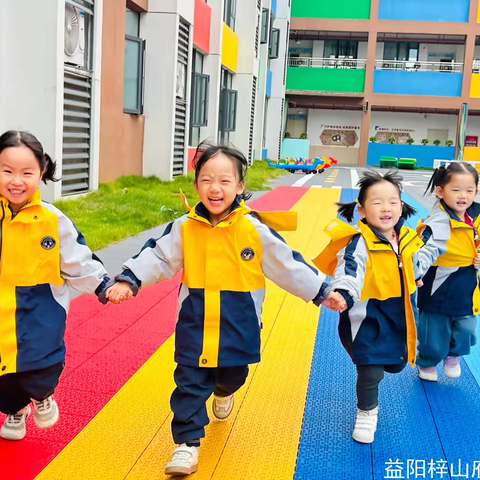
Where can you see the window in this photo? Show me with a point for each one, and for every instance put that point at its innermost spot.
(134, 63)
(229, 13)
(340, 49)
(274, 43)
(199, 103)
(265, 17)
(401, 51)
(228, 106)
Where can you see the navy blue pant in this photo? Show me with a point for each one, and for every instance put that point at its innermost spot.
(368, 380)
(194, 387)
(17, 389)
(440, 336)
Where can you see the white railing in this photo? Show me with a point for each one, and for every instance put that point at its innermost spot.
(419, 66)
(476, 65)
(340, 62)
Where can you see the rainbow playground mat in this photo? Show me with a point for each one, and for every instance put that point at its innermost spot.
(293, 418)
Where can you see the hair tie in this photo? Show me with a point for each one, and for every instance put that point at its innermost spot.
(356, 200)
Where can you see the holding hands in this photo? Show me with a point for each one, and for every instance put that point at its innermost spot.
(476, 262)
(335, 302)
(119, 292)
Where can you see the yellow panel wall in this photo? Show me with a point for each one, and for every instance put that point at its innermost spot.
(475, 85)
(229, 48)
(471, 154)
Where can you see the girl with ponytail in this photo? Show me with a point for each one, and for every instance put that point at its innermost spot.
(42, 254)
(449, 299)
(374, 267)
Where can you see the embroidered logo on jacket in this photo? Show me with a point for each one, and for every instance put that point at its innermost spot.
(48, 243)
(247, 254)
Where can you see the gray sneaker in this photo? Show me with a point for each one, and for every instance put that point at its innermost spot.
(222, 406)
(14, 426)
(45, 413)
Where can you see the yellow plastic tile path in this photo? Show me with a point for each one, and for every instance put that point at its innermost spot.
(130, 437)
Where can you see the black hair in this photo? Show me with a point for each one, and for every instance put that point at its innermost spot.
(369, 179)
(14, 138)
(206, 150)
(443, 175)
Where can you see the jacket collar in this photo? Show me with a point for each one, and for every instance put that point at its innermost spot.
(201, 213)
(33, 201)
(380, 236)
(473, 211)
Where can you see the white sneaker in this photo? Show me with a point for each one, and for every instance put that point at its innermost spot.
(428, 373)
(451, 367)
(14, 426)
(184, 461)
(222, 406)
(365, 426)
(45, 413)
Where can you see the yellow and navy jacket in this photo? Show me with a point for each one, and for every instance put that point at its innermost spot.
(223, 282)
(451, 285)
(379, 286)
(41, 255)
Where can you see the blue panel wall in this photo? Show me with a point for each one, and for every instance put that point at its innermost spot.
(264, 153)
(274, 7)
(294, 147)
(268, 88)
(425, 154)
(424, 10)
(441, 84)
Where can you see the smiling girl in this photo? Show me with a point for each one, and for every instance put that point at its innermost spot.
(226, 250)
(41, 255)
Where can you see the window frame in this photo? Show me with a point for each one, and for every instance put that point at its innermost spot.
(196, 77)
(141, 77)
(271, 54)
(228, 94)
(264, 30)
(230, 13)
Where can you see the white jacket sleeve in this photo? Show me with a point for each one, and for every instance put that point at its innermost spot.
(160, 259)
(81, 269)
(287, 268)
(349, 274)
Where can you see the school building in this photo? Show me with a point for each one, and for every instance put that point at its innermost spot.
(119, 87)
(372, 78)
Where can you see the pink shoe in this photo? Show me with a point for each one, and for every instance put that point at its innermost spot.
(428, 373)
(451, 367)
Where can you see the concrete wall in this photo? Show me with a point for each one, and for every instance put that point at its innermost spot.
(121, 134)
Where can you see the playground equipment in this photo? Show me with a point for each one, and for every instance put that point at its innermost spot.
(306, 165)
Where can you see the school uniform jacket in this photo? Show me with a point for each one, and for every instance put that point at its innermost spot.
(379, 286)
(223, 281)
(41, 255)
(451, 285)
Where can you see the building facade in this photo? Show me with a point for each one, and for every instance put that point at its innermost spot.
(371, 78)
(131, 87)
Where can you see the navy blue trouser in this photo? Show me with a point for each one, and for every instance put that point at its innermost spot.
(368, 380)
(440, 336)
(194, 387)
(17, 389)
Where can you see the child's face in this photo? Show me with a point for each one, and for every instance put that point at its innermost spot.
(218, 185)
(20, 175)
(459, 193)
(382, 207)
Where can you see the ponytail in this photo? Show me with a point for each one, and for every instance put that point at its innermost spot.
(443, 175)
(49, 168)
(346, 210)
(439, 178)
(408, 211)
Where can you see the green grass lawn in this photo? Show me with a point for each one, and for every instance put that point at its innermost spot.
(132, 204)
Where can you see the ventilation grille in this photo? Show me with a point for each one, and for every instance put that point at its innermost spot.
(257, 36)
(76, 134)
(179, 139)
(252, 120)
(286, 54)
(259, 4)
(282, 121)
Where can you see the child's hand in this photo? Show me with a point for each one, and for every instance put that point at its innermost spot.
(335, 302)
(476, 262)
(120, 292)
(419, 283)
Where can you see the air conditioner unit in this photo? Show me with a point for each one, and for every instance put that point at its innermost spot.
(74, 36)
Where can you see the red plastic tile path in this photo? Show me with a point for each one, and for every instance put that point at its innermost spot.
(106, 345)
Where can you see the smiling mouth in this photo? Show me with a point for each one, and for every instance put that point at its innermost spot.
(16, 192)
(385, 219)
(215, 201)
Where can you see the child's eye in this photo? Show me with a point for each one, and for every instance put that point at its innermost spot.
(225, 181)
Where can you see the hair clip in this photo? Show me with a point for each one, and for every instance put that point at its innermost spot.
(356, 200)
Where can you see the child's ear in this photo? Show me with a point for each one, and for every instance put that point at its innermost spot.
(361, 211)
(240, 188)
(439, 192)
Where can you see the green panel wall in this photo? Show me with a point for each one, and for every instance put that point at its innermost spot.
(326, 79)
(345, 9)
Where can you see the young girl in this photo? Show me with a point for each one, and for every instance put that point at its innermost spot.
(226, 251)
(374, 268)
(450, 299)
(41, 254)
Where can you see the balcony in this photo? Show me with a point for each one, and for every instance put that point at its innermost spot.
(326, 76)
(424, 10)
(443, 79)
(475, 83)
(342, 9)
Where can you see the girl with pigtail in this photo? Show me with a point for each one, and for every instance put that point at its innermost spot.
(374, 267)
(449, 299)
